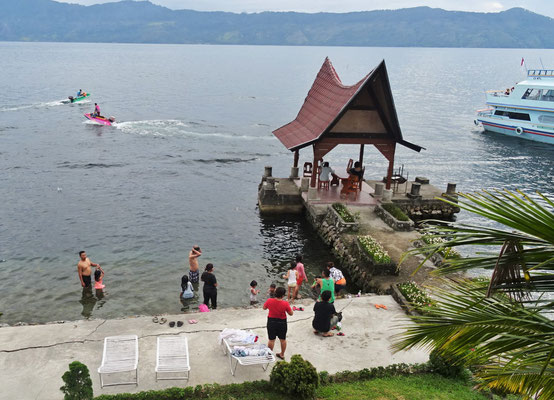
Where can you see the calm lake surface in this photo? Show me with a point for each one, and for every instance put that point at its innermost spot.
(183, 165)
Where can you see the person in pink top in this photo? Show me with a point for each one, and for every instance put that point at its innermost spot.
(301, 276)
(98, 278)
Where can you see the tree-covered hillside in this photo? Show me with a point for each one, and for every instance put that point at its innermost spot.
(144, 22)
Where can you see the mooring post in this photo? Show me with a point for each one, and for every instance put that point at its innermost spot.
(451, 188)
(379, 187)
(268, 171)
(293, 173)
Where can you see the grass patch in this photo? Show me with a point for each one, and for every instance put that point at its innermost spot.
(417, 387)
(343, 212)
(395, 211)
(374, 249)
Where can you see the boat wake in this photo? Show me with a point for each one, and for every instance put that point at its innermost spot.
(178, 128)
(35, 105)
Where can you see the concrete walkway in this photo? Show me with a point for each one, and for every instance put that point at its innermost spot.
(33, 358)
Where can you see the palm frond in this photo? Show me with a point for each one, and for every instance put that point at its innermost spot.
(514, 343)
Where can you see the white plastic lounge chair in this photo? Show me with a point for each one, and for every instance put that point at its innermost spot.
(229, 343)
(120, 355)
(172, 356)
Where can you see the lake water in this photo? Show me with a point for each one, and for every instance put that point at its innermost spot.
(183, 165)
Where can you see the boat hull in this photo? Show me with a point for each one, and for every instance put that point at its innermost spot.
(521, 130)
(99, 120)
(76, 99)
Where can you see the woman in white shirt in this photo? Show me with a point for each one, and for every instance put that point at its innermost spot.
(187, 292)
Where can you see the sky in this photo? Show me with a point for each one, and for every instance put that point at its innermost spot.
(544, 7)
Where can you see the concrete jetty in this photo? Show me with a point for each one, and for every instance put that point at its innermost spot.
(33, 358)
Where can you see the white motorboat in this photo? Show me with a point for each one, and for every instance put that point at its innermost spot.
(525, 110)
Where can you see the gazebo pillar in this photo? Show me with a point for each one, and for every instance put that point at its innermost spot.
(314, 170)
(361, 159)
(296, 157)
(390, 157)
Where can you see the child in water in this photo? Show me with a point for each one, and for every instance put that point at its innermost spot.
(187, 291)
(291, 276)
(253, 293)
(98, 277)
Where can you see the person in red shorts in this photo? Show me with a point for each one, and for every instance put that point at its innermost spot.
(301, 276)
(277, 320)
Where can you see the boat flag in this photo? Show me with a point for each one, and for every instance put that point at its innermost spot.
(522, 62)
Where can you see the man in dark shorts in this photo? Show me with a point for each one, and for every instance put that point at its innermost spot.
(277, 320)
(193, 264)
(84, 269)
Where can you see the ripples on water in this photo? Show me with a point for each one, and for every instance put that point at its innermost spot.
(182, 164)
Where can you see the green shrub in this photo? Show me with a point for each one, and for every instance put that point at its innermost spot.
(374, 249)
(296, 378)
(446, 364)
(343, 212)
(231, 391)
(324, 378)
(78, 385)
(395, 211)
(365, 374)
(173, 393)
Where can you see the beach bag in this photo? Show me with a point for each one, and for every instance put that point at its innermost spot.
(203, 308)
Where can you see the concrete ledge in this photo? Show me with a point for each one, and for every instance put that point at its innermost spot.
(333, 218)
(402, 301)
(436, 258)
(33, 358)
(390, 220)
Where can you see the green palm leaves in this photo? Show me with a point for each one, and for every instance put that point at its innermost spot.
(504, 328)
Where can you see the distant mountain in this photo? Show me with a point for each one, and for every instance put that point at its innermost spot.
(144, 22)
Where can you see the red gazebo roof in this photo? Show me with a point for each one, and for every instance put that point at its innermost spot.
(328, 101)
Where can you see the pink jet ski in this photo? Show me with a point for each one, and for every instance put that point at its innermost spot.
(100, 119)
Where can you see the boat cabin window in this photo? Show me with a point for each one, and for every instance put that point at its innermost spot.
(547, 95)
(532, 94)
(513, 115)
(547, 119)
(539, 94)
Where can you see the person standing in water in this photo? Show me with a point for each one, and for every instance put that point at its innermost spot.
(210, 286)
(301, 276)
(193, 263)
(84, 269)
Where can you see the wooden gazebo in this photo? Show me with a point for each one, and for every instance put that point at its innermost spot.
(334, 114)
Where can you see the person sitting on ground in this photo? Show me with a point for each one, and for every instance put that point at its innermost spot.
(292, 277)
(337, 276)
(187, 291)
(253, 293)
(271, 291)
(325, 283)
(325, 315)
